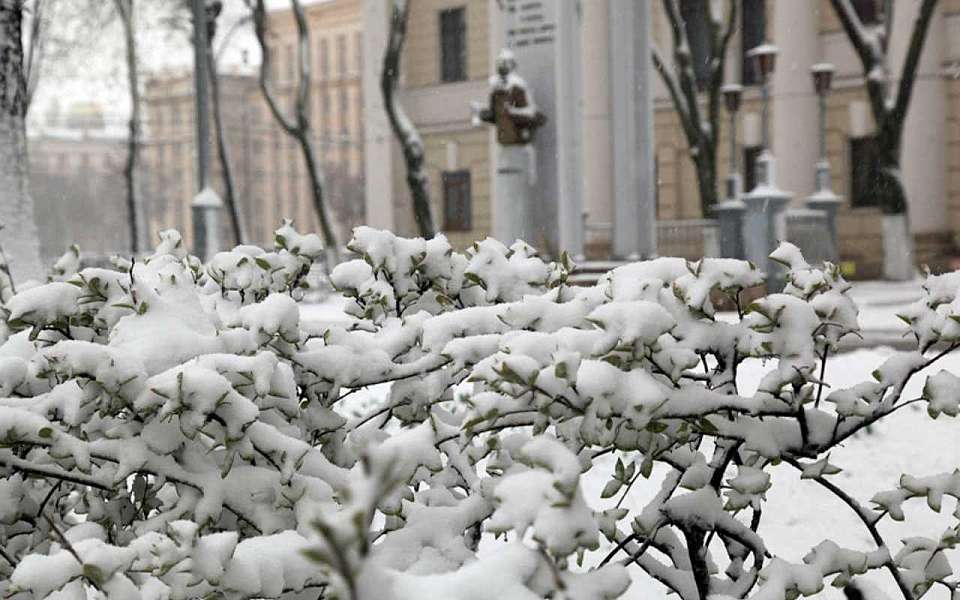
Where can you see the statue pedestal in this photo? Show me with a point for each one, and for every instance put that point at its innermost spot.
(512, 200)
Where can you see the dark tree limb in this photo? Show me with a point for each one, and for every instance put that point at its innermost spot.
(866, 518)
(403, 128)
(297, 127)
(125, 11)
(701, 130)
(223, 150)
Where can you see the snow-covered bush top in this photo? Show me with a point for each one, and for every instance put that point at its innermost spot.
(174, 430)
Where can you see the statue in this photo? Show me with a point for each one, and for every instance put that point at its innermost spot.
(511, 110)
(516, 118)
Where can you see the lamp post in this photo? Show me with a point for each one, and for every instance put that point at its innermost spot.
(822, 78)
(823, 199)
(206, 205)
(730, 212)
(732, 94)
(764, 224)
(764, 59)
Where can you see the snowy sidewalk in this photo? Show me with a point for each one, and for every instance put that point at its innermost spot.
(879, 302)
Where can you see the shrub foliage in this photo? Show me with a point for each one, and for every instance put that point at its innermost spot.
(170, 429)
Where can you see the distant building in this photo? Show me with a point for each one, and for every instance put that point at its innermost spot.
(76, 180)
(271, 181)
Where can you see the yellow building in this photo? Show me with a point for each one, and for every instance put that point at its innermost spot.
(446, 65)
(268, 168)
(807, 32)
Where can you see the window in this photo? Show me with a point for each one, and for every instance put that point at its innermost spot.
(342, 55)
(291, 66)
(453, 45)
(753, 28)
(358, 51)
(865, 187)
(324, 59)
(695, 14)
(869, 11)
(456, 200)
(750, 156)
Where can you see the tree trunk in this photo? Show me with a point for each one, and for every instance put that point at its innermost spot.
(125, 10)
(706, 167)
(403, 128)
(299, 127)
(316, 186)
(223, 151)
(18, 237)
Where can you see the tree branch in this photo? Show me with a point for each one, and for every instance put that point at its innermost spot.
(865, 517)
(403, 128)
(909, 73)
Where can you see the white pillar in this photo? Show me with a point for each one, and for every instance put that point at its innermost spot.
(922, 156)
(570, 184)
(597, 129)
(793, 99)
(634, 224)
(378, 149)
(512, 204)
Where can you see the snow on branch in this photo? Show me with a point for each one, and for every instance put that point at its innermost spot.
(173, 429)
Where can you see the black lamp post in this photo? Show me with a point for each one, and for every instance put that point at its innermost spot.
(822, 78)
(732, 95)
(764, 58)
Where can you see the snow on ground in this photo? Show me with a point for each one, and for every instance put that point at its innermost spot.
(799, 513)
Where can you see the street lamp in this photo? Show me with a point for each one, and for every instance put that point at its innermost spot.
(732, 94)
(206, 205)
(764, 59)
(823, 199)
(822, 78)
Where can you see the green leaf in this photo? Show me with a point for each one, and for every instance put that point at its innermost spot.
(656, 426)
(45, 433)
(612, 487)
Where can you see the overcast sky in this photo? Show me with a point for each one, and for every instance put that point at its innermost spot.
(98, 72)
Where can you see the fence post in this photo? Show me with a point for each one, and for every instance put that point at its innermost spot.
(730, 222)
(828, 202)
(764, 226)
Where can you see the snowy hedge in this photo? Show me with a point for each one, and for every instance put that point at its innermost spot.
(174, 430)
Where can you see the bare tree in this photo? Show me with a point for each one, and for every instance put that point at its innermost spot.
(402, 127)
(297, 127)
(888, 103)
(680, 77)
(19, 234)
(134, 123)
(223, 150)
(35, 47)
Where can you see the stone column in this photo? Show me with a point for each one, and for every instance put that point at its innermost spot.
(764, 224)
(597, 126)
(634, 224)
(512, 202)
(923, 159)
(793, 100)
(568, 122)
(379, 149)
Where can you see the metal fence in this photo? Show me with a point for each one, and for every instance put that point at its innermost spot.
(688, 238)
(809, 230)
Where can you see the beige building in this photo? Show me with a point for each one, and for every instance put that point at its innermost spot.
(268, 168)
(448, 58)
(445, 66)
(76, 180)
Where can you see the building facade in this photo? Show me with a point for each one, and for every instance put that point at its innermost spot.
(449, 56)
(270, 179)
(808, 33)
(77, 184)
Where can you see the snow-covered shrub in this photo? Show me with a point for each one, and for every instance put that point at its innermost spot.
(174, 430)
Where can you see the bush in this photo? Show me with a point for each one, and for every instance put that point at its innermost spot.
(174, 430)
